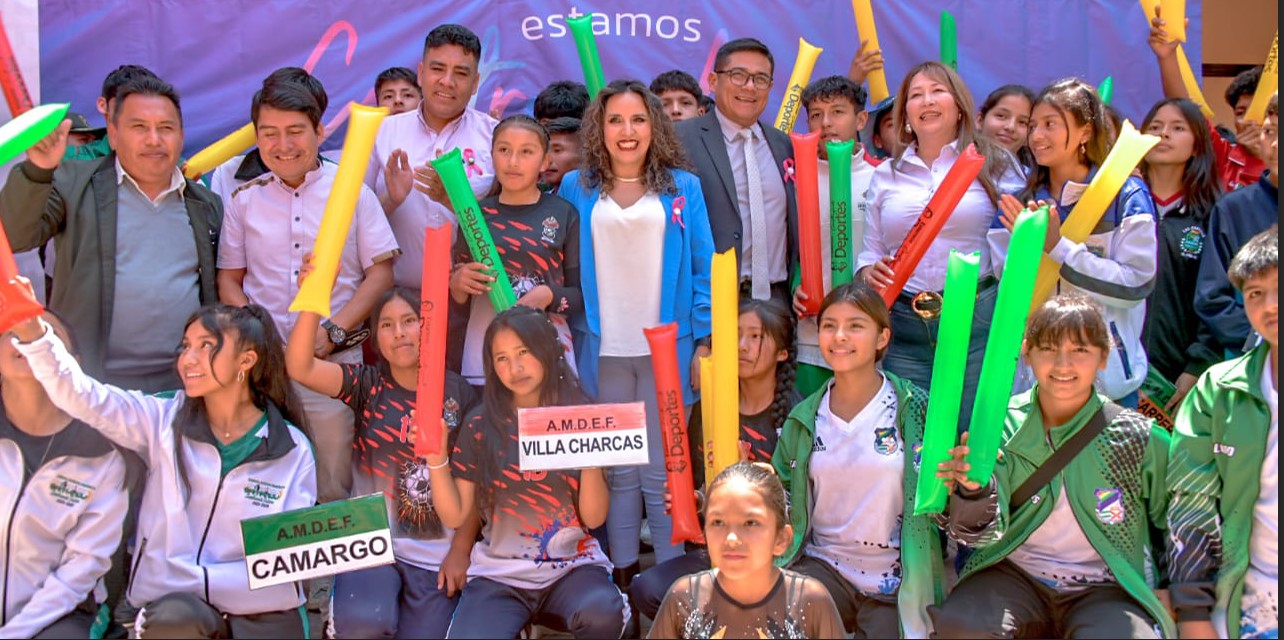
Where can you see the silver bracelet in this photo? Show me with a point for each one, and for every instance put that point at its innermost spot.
(432, 467)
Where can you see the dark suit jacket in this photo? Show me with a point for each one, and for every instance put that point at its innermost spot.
(705, 147)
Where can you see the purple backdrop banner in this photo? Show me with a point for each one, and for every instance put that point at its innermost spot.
(217, 52)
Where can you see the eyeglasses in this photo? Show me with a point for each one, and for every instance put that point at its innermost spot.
(739, 77)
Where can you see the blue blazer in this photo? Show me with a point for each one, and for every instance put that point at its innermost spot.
(684, 294)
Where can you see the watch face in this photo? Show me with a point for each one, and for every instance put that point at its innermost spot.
(337, 334)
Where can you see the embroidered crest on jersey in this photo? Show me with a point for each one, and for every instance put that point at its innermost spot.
(70, 492)
(818, 445)
(1192, 242)
(1110, 506)
(885, 441)
(262, 493)
(551, 226)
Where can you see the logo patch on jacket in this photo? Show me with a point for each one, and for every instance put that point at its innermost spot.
(885, 441)
(1224, 449)
(70, 492)
(262, 493)
(1095, 247)
(1192, 242)
(1110, 506)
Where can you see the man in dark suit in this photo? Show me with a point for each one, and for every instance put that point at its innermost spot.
(745, 168)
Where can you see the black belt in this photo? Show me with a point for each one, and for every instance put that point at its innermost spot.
(927, 304)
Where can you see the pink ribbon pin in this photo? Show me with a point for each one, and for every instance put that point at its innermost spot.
(679, 203)
(470, 164)
(788, 165)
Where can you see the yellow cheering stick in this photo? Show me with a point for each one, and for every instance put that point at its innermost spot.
(224, 149)
(1128, 151)
(1188, 80)
(314, 293)
(865, 29)
(725, 360)
(792, 103)
(1267, 86)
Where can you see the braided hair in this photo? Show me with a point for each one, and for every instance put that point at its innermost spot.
(778, 324)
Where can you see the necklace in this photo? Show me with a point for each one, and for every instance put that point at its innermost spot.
(31, 469)
(622, 179)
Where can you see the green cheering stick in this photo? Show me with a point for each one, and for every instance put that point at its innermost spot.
(1107, 90)
(450, 167)
(948, 369)
(949, 41)
(582, 30)
(32, 126)
(1003, 349)
(840, 211)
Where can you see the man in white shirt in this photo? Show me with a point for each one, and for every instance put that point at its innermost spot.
(270, 226)
(399, 172)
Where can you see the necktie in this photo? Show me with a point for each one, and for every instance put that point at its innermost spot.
(760, 281)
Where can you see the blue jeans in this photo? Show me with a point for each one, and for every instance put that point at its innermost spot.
(632, 380)
(393, 601)
(583, 602)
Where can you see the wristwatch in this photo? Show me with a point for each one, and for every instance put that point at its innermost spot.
(337, 335)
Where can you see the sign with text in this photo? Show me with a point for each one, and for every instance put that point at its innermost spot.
(318, 541)
(575, 437)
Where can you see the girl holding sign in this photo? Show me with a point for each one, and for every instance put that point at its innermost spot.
(854, 531)
(1071, 553)
(767, 395)
(1070, 139)
(536, 560)
(222, 449)
(62, 544)
(1181, 172)
(935, 122)
(431, 559)
(536, 234)
(646, 251)
(747, 596)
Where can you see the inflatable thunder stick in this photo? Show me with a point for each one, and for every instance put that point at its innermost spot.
(1153, 396)
(998, 370)
(221, 151)
(808, 173)
(949, 41)
(1128, 151)
(663, 341)
(430, 391)
(965, 170)
(19, 134)
(792, 103)
(13, 311)
(726, 361)
(1174, 13)
(1193, 91)
(1107, 90)
(865, 28)
(586, 44)
(15, 88)
(314, 293)
(948, 369)
(840, 212)
(1267, 86)
(473, 226)
(706, 415)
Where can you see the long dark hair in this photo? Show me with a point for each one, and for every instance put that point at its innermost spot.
(1077, 100)
(559, 387)
(1199, 182)
(859, 294)
(268, 382)
(664, 154)
(778, 324)
(997, 159)
(1023, 155)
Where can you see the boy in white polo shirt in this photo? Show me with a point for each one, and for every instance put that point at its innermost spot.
(270, 225)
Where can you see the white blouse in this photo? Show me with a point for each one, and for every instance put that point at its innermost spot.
(897, 195)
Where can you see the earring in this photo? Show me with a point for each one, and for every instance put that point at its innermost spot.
(908, 129)
(240, 376)
(1083, 149)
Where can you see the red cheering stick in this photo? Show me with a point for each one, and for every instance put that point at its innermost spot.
(673, 426)
(966, 168)
(430, 390)
(16, 300)
(15, 88)
(808, 172)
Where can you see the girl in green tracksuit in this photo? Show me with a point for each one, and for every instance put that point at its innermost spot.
(1078, 558)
